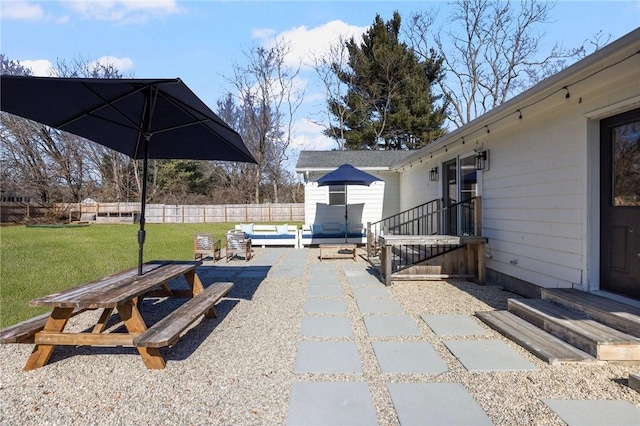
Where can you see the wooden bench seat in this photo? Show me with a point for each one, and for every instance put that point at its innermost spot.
(24, 331)
(167, 331)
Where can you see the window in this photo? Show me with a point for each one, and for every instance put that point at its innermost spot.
(626, 164)
(337, 195)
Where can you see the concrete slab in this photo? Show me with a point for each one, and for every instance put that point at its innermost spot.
(321, 306)
(369, 292)
(390, 325)
(488, 355)
(325, 291)
(323, 280)
(379, 306)
(408, 358)
(328, 357)
(454, 325)
(436, 404)
(326, 327)
(595, 412)
(322, 268)
(331, 403)
(364, 281)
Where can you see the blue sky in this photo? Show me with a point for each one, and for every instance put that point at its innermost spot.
(199, 41)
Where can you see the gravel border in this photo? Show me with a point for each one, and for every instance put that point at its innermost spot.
(238, 369)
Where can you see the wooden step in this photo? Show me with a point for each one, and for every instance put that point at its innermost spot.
(615, 314)
(599, 340)
(544, 345)
(634, 381)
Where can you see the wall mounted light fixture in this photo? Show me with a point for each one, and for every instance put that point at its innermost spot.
(433, 174)
(482, 160)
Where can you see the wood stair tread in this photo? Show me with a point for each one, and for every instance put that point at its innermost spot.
(599, 340)
(615, 314)
(544, 345)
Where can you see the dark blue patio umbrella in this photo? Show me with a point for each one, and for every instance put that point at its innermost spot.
(347, 175)
(142, 118)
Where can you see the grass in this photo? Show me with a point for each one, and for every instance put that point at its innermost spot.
(38, 261)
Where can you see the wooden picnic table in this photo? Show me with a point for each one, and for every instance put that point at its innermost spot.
(123, 292)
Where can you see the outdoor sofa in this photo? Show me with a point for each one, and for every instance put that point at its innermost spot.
(332, 233)
(270, 235)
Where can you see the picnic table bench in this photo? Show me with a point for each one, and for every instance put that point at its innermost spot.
(123, 292)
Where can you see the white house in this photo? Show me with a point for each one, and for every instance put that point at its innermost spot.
(560, 186)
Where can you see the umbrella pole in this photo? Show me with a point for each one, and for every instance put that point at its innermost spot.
(346, 215)
(143, 202)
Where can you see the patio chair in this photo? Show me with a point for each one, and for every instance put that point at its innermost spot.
(203, 244)
(238, 244)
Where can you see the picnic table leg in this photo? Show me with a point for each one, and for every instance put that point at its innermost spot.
(132, 319)
(56, 323)
(102, 322)
(194, 282)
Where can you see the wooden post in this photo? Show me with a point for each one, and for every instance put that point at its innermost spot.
(477, 217)
(368, 239)
(387, 261)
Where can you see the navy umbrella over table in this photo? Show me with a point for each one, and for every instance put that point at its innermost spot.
(142, 118)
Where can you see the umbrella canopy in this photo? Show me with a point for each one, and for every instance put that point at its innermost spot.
(346, 175)
(142, 118)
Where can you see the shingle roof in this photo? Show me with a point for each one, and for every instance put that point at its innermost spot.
(320, 160)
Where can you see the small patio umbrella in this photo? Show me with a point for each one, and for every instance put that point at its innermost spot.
(142, 118)
(347, 175)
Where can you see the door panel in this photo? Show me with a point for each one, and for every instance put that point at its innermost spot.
(620, 204)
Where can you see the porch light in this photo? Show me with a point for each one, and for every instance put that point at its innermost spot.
(433, 174)
(481, 160)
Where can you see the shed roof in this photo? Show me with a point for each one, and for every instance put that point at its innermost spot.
(366, 160)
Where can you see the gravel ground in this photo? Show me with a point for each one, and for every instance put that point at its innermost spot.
(238, 369)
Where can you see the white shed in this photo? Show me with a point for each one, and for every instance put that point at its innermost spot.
(325, 204)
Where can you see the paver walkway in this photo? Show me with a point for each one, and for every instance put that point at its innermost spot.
(327, 350)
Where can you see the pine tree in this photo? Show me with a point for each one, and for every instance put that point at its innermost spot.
(389, 98)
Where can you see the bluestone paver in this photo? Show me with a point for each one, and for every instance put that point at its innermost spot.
(328, 357)
(488, 355)
(454, 325)
(326, 326)
(379, 306)
(391, 325)
(331, 403)
(325, 306)
(370, 292)
(436, 404)
(595, 412)
(408, 358)
(325, 291)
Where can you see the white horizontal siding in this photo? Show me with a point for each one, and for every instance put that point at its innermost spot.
(533, 200)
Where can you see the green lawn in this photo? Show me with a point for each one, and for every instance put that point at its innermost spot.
(38, 261)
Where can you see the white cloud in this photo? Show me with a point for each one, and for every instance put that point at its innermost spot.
(123, 11)
(121, 64)
(39, 67)
(307, 43)
(21, 11)
(309, 137)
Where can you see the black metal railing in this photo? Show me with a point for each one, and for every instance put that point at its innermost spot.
(426, 219)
